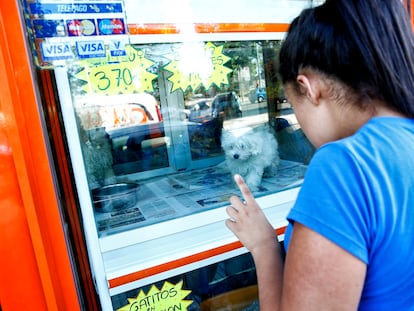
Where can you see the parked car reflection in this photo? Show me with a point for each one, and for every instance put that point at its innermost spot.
(136, 133)
(204, 131)
(200, 112)
(226, 105)
(259, 95)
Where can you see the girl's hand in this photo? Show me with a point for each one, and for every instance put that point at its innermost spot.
(248, 222)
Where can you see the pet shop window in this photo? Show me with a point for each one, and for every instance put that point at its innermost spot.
(160, 106)
(167, 127)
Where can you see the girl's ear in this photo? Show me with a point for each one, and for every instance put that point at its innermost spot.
(309, 87)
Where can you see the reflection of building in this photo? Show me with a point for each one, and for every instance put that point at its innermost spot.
(245, 74)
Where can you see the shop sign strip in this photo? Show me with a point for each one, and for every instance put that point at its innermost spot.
(202, 28)
(138, 275)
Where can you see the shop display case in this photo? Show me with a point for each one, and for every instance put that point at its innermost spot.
(145, 92)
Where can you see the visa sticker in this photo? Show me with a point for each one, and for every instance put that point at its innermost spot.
(117, 48)
(91, 49)
(56, 51)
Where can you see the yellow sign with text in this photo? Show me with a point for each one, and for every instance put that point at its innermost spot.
(169, 298)
(193, 65)
(124, 77)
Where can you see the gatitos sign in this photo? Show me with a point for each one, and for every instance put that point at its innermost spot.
(169, 298)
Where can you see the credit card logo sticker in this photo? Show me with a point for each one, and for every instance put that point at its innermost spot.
(46, 28)
(117, 48)
(90, 49)
(71, 7)
(113, 26)
(56, 51)
(85, 27)
(71, 30)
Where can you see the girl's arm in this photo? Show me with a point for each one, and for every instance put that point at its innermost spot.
(318, 274)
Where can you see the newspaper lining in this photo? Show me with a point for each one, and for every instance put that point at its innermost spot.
(191, 192)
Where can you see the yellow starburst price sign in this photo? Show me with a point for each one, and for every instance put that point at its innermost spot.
(220, 72)
(193, 65)
(130, 76)
(170, 297)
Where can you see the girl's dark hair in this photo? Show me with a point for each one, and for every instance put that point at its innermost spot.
(366, 44)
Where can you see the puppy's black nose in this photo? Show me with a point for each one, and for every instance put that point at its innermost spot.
(236, 156)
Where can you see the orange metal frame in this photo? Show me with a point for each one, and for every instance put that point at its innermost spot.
(146, 29)
(138, 275)
(35, 267)
(67, 190)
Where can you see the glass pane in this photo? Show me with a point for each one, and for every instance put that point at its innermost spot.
(209, 110)
(227, 285)
(123, 133)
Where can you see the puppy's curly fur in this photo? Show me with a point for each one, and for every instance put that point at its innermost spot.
(252, 153)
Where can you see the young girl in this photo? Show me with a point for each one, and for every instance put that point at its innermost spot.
(348, 71)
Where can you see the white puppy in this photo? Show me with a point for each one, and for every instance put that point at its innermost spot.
(252, 153)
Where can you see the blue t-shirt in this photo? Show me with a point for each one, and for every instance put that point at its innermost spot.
(359, 193)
